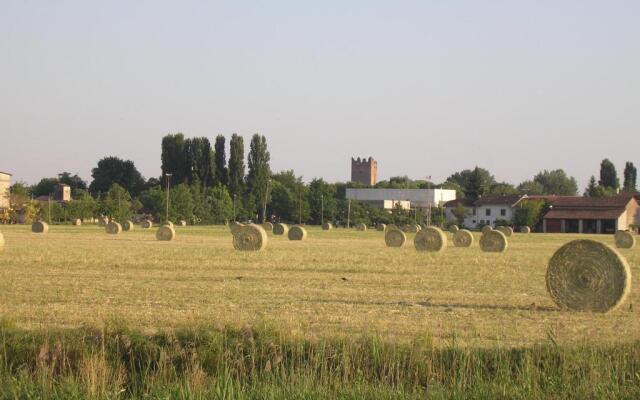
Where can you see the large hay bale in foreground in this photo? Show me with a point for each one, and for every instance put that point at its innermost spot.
(327, 226)
(267, 226)
(76, 222)
(39, 227)
(394, 238)
(453, 229)
(113, 228)
(297, 233)
(235, 227)
(586, 275)
(525, 230)
(250, 238)
(280, 229)
(146, 224)
(361, 227)
(493, 241)
(463, 238)
(625, 240)
(486, 228)
(166, 233)
(127, 226)
(381, 227)
(1, 242)
(431, 239)
(507, 230)
(103, 221)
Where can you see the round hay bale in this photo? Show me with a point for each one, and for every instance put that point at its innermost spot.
(76, 222)
(297, 233)
(525, 230)
(430, 239)
(113, 228)
(463, 238)
(410, 229)
(268, 226)
(586, 275)
(361, 227)
(327, 226)
(507, 230)
(40, 227)
(183, 223)
(235, 226)
(381, 227)
(169, 223)
(418, 227)
(453, 229)
(280, 229)
(486, 228)
(127, 226)
(625, 240)
(394, 238)
(146, 224)
(493, 241)
(250, 238)
(166, 233)
(103, 221)
(1, 242)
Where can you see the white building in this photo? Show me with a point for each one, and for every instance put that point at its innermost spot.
(5, 184)
(413, 198)
(486, 210)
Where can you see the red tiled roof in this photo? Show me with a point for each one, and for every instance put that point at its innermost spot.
(618, 201)
(508, 199)
(584, 214)
(454, 203)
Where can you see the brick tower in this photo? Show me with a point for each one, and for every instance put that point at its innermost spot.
(364, 171)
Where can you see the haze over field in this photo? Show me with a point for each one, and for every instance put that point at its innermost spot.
(427, 88)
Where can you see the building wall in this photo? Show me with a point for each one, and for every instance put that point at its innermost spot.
(420, 198)
(496, 213)
(470, 220)
(364, 171)
(633, 213)
(5, 184)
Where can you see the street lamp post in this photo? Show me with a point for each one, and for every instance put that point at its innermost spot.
(264, 207)
(322, 209)
(167, 212)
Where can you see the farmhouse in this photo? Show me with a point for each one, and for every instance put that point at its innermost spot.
(485, 210)
(61, 194)
(406, 198)
(5, 184)
(573, 214)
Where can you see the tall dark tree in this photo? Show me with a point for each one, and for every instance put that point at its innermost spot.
(173, 158)
(74, 181)
(608, 175)
(45, 187)
(112, 170)
(557, 182)
(198, 161)
(322, 201)
(236, 165)
(478, 183)
(630, 176)
(259, 173)
(592, 188)
(531, 188)
(222, 173)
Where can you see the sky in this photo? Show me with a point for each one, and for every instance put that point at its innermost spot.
(427, 88)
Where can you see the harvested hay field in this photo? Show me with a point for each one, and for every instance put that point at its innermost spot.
(342, 283)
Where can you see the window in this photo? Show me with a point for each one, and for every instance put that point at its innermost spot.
(503, 212)
(487, 212)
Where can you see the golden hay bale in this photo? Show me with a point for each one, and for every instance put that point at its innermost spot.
(381, 227)
(250, 238)
(525, 229)
(280, 229)
(493, 241)
(463, 238)
(486, 228)
(183, 223)
(361, 227)
(297, 233)
(586, 275)
(103, 221)
(235, 226)
(268, 226)
(169, 223)
(40, 227)
(127, 226)
(430, 239)
(394, 238)
(418, 227)
(327, 226)
(1, 242)
(146, 224)
(76, 222)
(113, 228)
(166, 233)
(453, 229)
(625, 240)
(507, 230)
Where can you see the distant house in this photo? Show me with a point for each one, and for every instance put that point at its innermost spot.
(486, 210)
(5, 184)
(61, 194)
(573, 214)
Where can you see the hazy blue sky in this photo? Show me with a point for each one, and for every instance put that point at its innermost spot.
(425, 87)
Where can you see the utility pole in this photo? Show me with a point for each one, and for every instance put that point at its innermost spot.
(300, 206)
(167, 213)
(349, 214)
(49, 208)
(264, 207)
(321, 209)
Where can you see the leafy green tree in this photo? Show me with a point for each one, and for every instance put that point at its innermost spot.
(116, 203)
(45, 187)
(199, 165)
(460, 212)
(84, 206)
(282, 202)
(529, 213)
(221, 204)
(557, 182)
(322, 201)
(181, 204)
(478, 184)
(630, 176)
(174, 158)
(608, 175)
(112, 170)
(258, 176)
(592, 188)
(502, 189)
(222, 173)
(531, 188)
(74, 181)
(236, 165)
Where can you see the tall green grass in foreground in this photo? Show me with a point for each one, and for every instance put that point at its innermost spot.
(116, 362)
